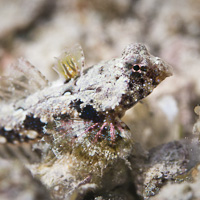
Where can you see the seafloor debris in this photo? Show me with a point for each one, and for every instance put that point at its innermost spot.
(19, 15)
(16, 182)
(172, 170)
(185, 191)
(165, 163)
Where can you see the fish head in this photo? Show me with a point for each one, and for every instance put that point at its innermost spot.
(144, 71)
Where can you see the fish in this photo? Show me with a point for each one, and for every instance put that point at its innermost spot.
(82, 100)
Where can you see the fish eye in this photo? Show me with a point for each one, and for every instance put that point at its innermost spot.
(136, 67)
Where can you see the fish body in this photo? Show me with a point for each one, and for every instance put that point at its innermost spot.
(88, 99)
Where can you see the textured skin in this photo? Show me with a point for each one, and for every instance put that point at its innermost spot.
(99, 95)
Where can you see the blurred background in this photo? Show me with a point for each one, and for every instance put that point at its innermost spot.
(39, 30)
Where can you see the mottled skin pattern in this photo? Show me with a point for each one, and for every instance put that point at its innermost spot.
(96, 99)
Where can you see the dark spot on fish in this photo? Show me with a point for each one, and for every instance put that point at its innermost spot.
(76, 105)
(98, 89)
(141, 91)
(67, 80)
(90, 113)
(142, 81)
(131, 84)
(64, 117)
(31, 123)
(135, 74)
(101, 70)
(13, 135)
(144, 68)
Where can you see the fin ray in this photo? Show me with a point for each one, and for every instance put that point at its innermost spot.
(70, 63)
(24, 79)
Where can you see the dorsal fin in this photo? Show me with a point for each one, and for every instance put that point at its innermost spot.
(70, 63)
(22, 80)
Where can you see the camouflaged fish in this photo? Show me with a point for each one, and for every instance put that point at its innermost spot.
(81, 100)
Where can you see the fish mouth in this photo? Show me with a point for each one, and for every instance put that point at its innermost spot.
(164, 68)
